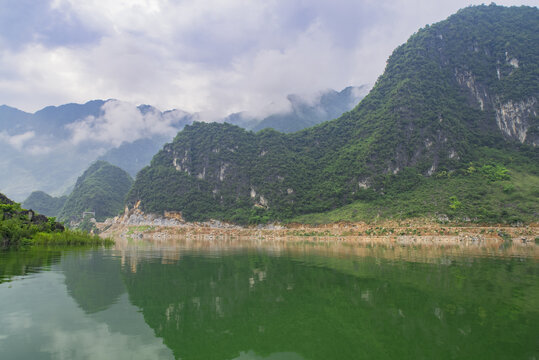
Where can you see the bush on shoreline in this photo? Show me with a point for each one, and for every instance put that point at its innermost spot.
(22, 228)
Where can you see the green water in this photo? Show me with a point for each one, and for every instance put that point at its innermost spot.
(256, 303)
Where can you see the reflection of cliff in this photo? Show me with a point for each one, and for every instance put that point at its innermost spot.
(92, 279)
(324, 308)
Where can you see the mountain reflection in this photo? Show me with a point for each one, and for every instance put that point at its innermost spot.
(92, 279)
(206, 300)
(302, 305)
(21, 263)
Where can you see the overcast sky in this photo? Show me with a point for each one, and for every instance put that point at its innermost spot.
(214, 56)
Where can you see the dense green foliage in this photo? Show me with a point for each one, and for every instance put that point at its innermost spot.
(20, 227)
(92, 280)
(100, 189)
(480, 193)
(44, 204)
(429, 117)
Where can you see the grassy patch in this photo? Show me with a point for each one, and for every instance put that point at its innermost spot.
(463, 197)
(139, 228)
(67, 238)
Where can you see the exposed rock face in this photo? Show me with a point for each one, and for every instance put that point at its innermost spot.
(467, 79)
(174, 219)
(33, 217)
(263, 202)
(515, 119)
(222, 170)
(179, 163)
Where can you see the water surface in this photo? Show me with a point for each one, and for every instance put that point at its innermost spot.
(148, 301)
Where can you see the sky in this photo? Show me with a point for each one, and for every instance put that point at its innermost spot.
(210, 56)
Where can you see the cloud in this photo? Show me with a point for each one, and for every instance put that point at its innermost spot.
(56, 328)
(97, 341)
(213, 56)
(39, 150)
(123, 122)
(17, 141)
(24, 21)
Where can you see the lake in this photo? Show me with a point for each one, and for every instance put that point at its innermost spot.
(255, 300)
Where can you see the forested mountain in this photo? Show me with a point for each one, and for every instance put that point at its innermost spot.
(50, 119)
(44, 204)
(100, 189)
(453, 120)
(50, 148)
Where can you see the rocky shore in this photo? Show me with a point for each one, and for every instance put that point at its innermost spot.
(134, 224)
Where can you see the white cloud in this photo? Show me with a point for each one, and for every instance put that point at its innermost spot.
(214, 56)
(122, 122)
(17, 141)
(99, 342)
(48, 74)
(39, 150)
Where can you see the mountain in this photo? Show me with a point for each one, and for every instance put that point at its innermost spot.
(100, 189)
(133, 156)
(44, 204)
(12, 117)
(451, 127)
(50, 148)
(303, 112)
(36, 151)
(53, 119)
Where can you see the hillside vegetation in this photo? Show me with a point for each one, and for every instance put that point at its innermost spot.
(450, 128)
(44, 204)
(20, 227)
(101, 189)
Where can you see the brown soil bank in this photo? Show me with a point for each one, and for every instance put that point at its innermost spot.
(389, 233)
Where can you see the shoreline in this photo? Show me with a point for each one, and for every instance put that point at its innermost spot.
(414, 233)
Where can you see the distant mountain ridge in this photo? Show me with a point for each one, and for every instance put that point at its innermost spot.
(40, 152)
(44, 204)
(328, 105)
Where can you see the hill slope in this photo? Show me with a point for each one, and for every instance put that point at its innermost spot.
(459, 99)
(100, 189)
(44, 203)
